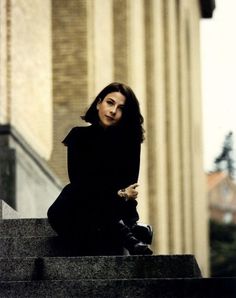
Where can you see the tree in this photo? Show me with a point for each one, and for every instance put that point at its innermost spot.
(223, 247)
(226, 156)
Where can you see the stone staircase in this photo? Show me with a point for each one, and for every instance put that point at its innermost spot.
(34, 263)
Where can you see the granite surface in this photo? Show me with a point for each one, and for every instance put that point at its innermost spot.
(102, 267)
(36, 263)
(132, 288)
(26, 227)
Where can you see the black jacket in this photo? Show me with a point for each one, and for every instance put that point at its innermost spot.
(100, 162)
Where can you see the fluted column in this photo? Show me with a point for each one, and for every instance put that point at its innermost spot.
(137, 80)
(156, 119)
(100, 44)
(120, 40)
(173, 127)
(199, 200)
(185, 136)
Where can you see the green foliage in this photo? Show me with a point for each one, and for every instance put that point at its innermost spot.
(223, 249)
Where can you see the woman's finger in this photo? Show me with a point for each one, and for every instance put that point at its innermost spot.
(134, 185)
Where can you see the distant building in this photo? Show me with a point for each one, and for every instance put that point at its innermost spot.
(221, 197)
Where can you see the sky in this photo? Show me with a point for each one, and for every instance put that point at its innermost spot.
(218, 55)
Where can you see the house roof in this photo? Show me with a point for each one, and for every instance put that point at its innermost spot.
(214, 178)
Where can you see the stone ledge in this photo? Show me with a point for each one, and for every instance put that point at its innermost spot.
(99, 267)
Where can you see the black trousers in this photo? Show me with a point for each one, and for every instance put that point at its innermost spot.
(89, 232)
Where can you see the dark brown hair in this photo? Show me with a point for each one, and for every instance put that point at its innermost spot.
(131, 121)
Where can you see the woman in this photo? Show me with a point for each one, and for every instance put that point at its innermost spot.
(98, 208)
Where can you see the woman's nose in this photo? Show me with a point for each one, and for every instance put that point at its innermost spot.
(113, 110)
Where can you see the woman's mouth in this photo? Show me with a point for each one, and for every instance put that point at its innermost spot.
(110, 118)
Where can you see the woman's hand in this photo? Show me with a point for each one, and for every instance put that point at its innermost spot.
(129, 192)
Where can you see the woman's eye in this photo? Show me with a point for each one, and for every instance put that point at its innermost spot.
(110, 102)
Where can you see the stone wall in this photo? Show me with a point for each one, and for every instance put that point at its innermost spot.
(26, 182)
(70, 74)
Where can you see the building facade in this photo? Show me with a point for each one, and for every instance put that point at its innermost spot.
(56, 55)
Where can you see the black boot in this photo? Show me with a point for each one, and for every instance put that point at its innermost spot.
(131, 243)
(142, 232)
(140, 249)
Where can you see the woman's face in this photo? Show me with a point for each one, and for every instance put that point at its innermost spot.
(110, 109)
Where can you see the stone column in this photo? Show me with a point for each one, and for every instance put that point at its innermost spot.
(29, 72)
(185, 124)
(25, 66)
(156, 119)
(100, 44)
(173, 127)
(199, 201)
(137, 81)
(120, 40)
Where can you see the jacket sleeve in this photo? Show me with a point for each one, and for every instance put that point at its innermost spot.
(81, 161)
(130, 176)
(130, 172)
(75, 161)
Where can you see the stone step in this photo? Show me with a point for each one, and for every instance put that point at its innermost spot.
(34, 262)
(120, 288)
(11, 247)
(98, 267)
(25, 227)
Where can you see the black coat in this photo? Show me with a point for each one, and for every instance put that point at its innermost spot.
(100, 162)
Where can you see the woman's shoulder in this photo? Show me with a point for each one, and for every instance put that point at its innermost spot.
(80, 129)
(76, 133)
